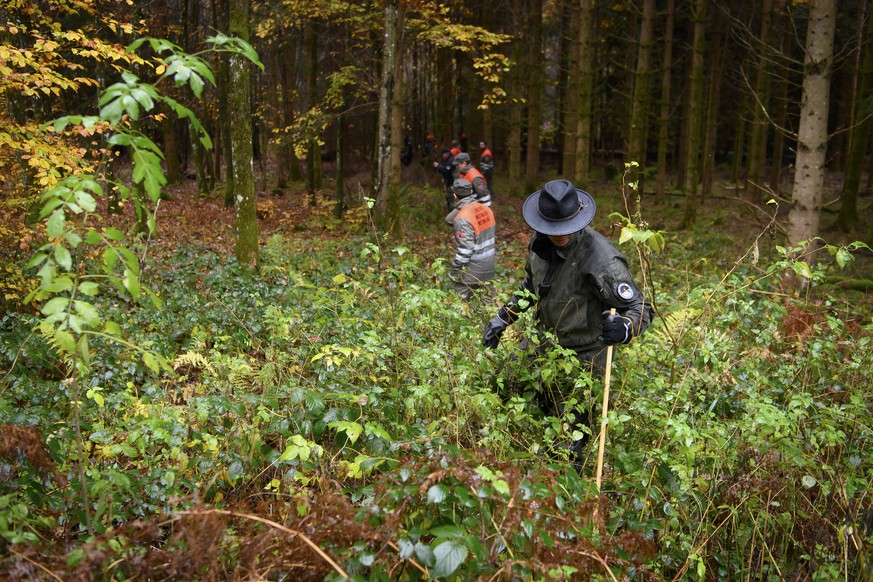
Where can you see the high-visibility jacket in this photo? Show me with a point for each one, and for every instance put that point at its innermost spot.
(475, 231)
(480, 185)
(486, 164)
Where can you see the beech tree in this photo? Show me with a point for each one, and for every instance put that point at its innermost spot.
(241, 142)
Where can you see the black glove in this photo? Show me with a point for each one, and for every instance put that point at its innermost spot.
(616, 329)
(493, 330)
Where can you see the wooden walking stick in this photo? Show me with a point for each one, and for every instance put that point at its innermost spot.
(606, 377)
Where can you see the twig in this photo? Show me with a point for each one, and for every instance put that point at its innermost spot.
(280, 527)
(37, 564)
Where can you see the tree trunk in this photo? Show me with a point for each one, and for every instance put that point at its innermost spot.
(534, 92)
(664, 116)
(582, 170)
(639, 120)
(224, 95)
(860, 134)
(804, 216)
(760, 124)
(570, 99)
(384, 167)
(313, 153)
(566, 86)
(241, 142)
(517, 95)
(780, 106)
(695, 114)
(713, 102)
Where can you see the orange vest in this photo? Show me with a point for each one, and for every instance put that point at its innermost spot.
(478, 215)
(471, 175)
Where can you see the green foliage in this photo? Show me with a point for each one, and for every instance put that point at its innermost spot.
(345, 389)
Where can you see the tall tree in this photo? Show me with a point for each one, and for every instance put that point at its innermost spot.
(534, 66)
(695, 113)
(384, 179)
(760, 123)
(805, 214)
(582, 171)
(639, 119)
(666, 101)
(570, 99)
(240, 113)
(860, 133)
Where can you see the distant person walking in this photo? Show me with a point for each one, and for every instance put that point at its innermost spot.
(486, 163)
(475, 230)
(445, 166)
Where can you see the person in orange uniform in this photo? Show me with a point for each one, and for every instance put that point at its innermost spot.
(486, 163)
(475, 232)
(468, 172)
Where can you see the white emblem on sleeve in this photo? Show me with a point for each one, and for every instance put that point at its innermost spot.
(624, 291)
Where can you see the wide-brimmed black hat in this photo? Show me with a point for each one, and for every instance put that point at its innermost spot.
(559, 208)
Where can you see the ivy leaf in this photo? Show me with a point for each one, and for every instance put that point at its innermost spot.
(437, 493)
(447, 557)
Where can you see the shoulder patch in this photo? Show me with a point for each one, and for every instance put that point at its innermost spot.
(624, 291)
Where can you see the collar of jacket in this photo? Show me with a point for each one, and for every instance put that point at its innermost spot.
(465, 201)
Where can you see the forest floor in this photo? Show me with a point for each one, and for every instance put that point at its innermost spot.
(727, 222)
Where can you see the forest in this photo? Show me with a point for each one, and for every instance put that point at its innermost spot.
(230, 344)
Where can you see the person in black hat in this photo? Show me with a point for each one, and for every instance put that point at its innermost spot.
(574, 276)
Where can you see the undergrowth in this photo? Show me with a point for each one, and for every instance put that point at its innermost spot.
(335, 416)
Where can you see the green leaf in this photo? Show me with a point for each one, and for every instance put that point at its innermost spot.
(63, 258)
(86, 201)
(113, 233)
(843, 258)
(112, 111)
(353, 430)
(451, 532)
(626, 235)
(37, 259)
(55, 305)
(89, 288)
(501, 487)
(110, 258)
(54, 226)
(65, 341)
(437, 493)
(87, 312)
(808, 481)
(802, 269)
(131, 282)
(111, 328)
(448, 556)
(151, 361)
